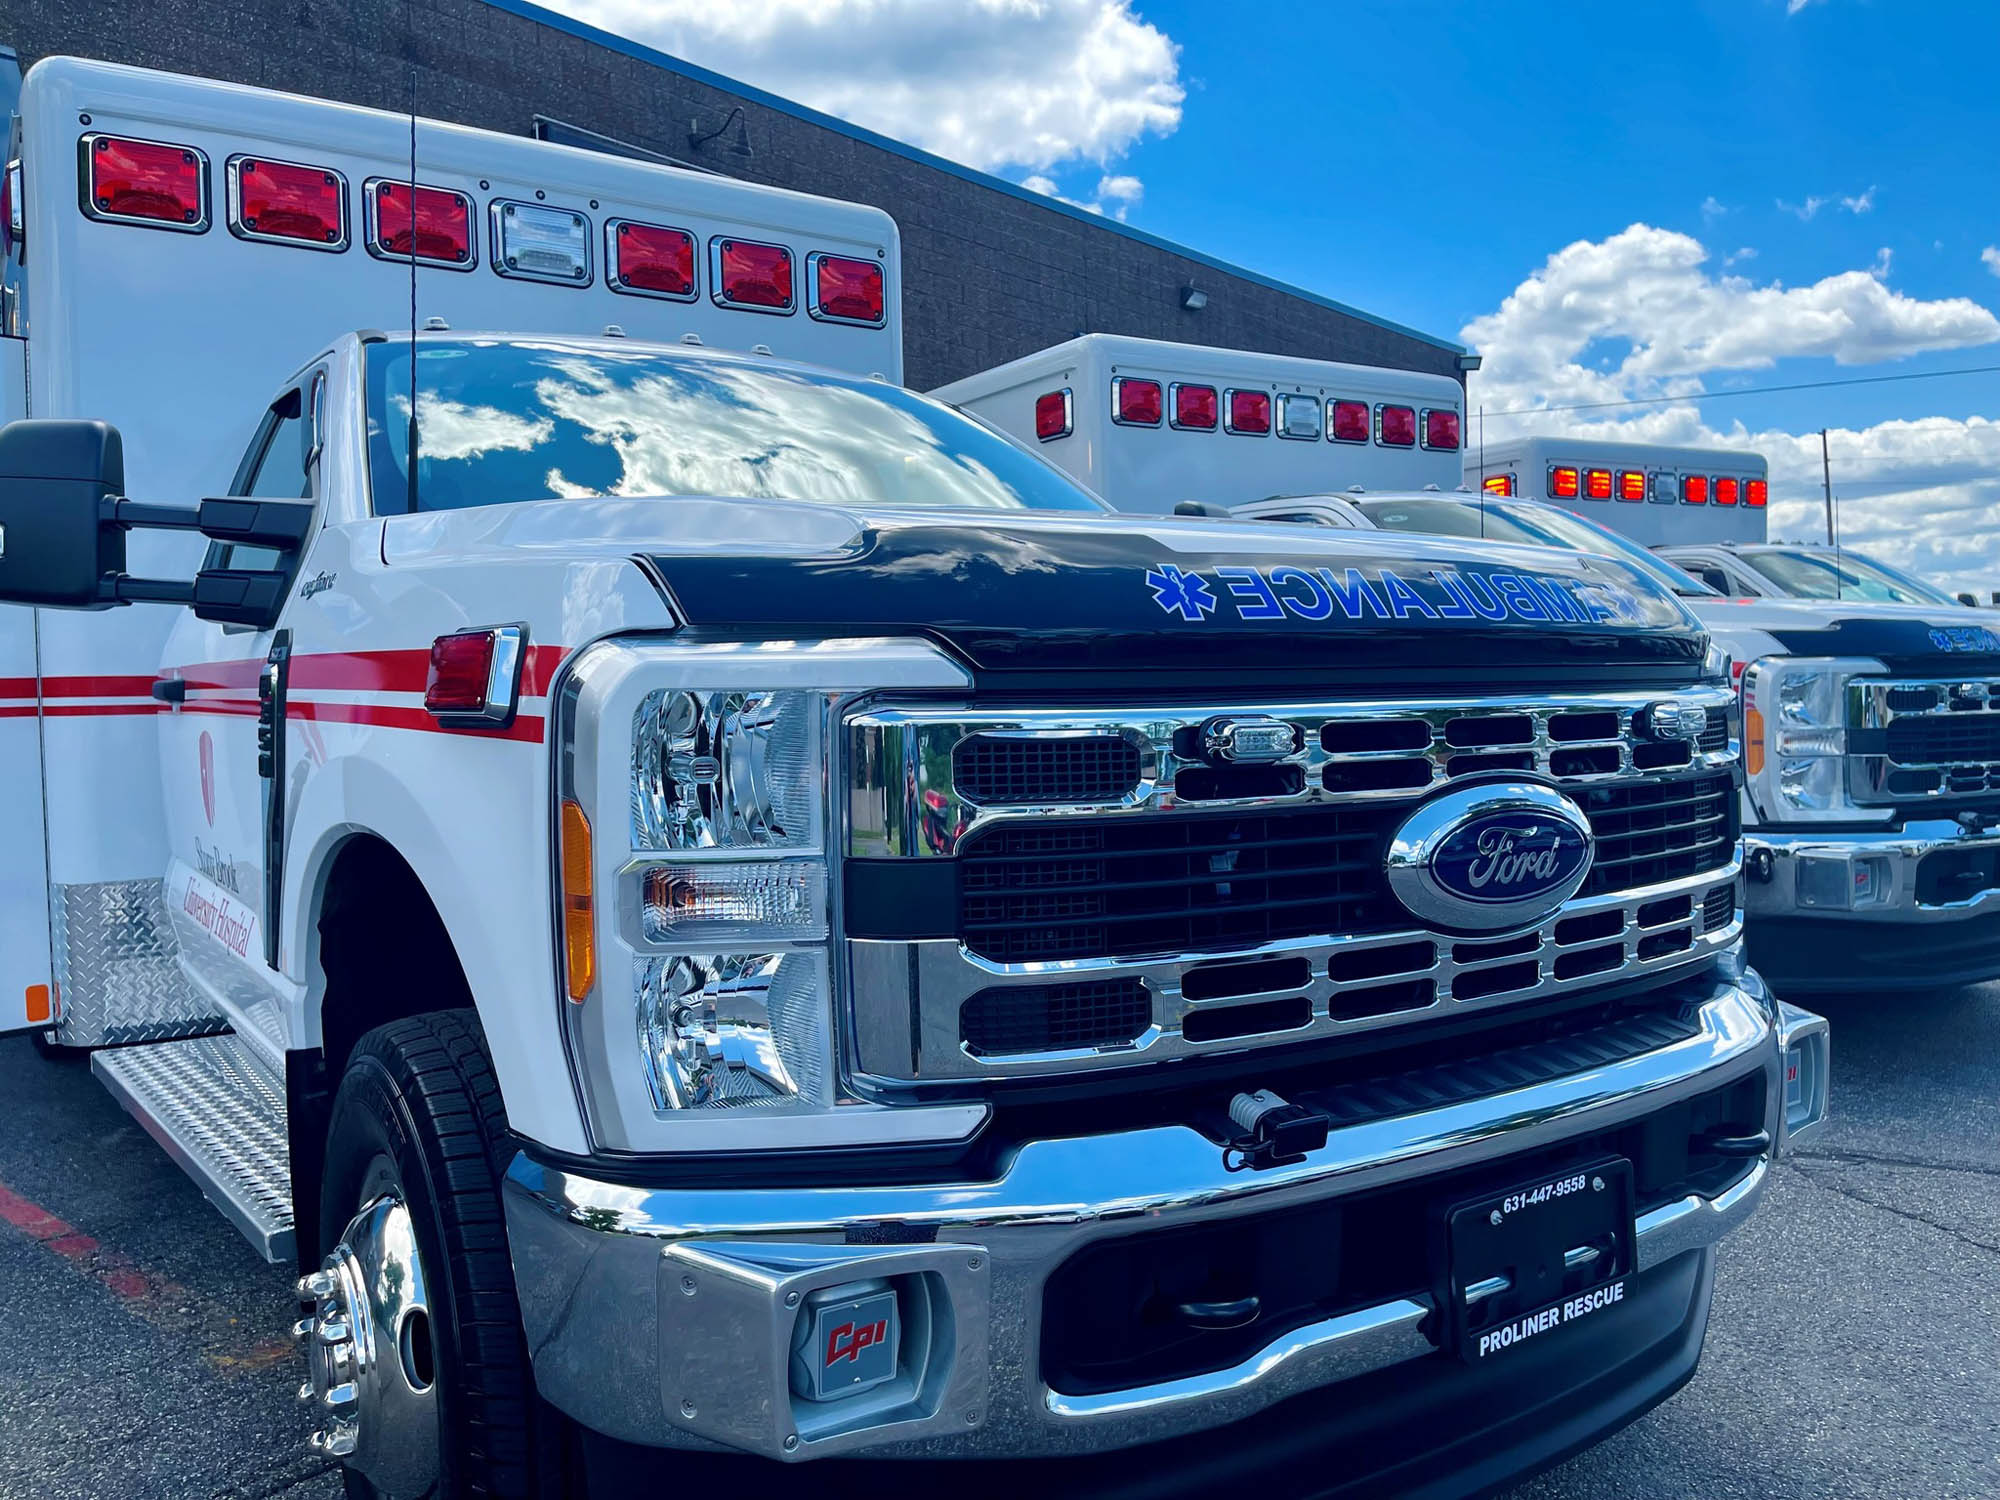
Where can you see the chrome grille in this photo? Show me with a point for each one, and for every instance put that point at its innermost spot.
(1205, 903)
(1924, 741)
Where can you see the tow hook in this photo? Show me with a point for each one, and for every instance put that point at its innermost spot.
(1270, 1131)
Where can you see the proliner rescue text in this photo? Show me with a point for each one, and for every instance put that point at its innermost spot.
(1495, 1339)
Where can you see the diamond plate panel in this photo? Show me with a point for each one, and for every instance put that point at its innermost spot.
(116, 965)
(217, 1111)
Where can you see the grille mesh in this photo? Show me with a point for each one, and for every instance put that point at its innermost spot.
(1066, 770)
(1649, 831)
(1131, 886)
(1055, 1018)
(1944, 739)
(1718, 908)
(1715, 732)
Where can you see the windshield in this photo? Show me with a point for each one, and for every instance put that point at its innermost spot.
(1535, 525)
(1807, 574)
(506, 420)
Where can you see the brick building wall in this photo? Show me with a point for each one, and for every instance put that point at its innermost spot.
(989, 274)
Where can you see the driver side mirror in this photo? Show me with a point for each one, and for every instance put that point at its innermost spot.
(63, 520)
(1969, 599)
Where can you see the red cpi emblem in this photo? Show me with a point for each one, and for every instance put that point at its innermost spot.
(849, 1339)
(208, 777)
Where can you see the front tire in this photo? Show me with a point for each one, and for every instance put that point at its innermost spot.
(420, 1368)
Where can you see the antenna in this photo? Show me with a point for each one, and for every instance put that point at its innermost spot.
(1482, 471)
(410, 37)
(1832, 531)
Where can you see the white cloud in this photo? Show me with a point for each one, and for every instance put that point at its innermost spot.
(1712, 208)
(991, 83)
(1793, 7)
(1860, 203)
(1748, 252)
(1037, 183)
(1922, 493)
(1989, 258)
(1854, 203)
(1124, 189)
(1805, 210)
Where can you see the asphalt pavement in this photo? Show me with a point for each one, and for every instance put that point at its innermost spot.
(1854, 1348)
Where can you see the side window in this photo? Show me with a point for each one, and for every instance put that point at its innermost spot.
(275, 467)
(1713, 576)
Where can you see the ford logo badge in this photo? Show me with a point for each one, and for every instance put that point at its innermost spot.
(1496, 857)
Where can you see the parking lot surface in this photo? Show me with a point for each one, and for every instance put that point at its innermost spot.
(1854, 1349)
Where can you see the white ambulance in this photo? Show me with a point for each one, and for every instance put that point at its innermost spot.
(1658, 496)
(718, 906)
(1174, 422)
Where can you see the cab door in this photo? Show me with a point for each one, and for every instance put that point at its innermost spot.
(220, 747)
(26, 998)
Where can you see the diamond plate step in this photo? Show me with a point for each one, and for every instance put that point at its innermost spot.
(215, 1108)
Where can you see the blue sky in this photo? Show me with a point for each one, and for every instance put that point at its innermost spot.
(1607, 200)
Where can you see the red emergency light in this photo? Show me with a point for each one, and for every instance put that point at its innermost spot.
(475, 677)
(287, 203)
(1694, 489)
(651, 260)
(1498, 484)
(1597, 484)
(434, 222)
(1725, 490)
(1441, 428)
(1350, 421)
(845, 290)
(1396, 426)
(1250, 413)
(1053, 415)
(753, 276)
(1562, 483)
(1194, 407)
(1135, 403)
(1632, 486)
(145, 182)
(1756, 493)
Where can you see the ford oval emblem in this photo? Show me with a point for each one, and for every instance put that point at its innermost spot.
(1495, 857)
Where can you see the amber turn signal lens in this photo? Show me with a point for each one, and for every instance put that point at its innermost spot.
(579, 917)
(1753, 741)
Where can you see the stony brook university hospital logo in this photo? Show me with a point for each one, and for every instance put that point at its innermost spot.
(207, 753)
(1490, 858)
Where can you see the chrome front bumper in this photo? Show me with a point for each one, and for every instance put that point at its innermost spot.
(664, 1316)
(1863, 877)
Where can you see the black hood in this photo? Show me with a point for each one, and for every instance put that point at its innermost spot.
(1929, 647)
(1025, 596)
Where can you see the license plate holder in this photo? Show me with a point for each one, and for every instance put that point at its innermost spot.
(1519, 1266)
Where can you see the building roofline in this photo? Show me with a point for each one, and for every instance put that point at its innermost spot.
(652, 55)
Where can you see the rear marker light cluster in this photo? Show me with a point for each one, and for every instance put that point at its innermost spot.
(1635, 486)
(1597, 484)
(1725, 491)
(1632, 485)
(145, 182)
(161, 185)
(474, 680)
(1694, 489)
(1440, 430)
(1055, 415)
(1564, 483)
(287, 203)
(1136, 403)
(1756, 493)
(1498, 484)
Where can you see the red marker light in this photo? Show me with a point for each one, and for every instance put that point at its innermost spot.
(1498, 484)
(651, 260)
(1694, 489)
(753, 276)
(278, 200)
(1440, 428)
(1725, 491)
(1250, 413)
(147, 182)
(847, 291)
(1597, 484)
(1562, 483)
(1194, 407)
(1632, 485)
(1396, 426)
(1756, 493)
(475, 677)
(1350, 421)
(1052, 415)
(437, 222)
(1136, 403)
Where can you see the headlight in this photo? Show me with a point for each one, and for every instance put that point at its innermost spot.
(1795, 737)
(705, 1016)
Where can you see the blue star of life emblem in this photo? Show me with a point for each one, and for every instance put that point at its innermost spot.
(1179, 593)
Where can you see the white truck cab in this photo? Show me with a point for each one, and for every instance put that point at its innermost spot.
(1871, 807)
(1174, 422)
(1657, 495)
(713, 904)
(1780, 570)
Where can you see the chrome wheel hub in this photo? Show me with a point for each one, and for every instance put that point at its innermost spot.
(368, 1343)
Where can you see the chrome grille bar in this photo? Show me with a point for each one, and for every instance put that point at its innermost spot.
(1923, 739)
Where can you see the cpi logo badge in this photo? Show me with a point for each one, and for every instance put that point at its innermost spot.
(1490, 858)
(207, 753)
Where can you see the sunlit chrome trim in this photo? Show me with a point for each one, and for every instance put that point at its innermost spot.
(1868, 708)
